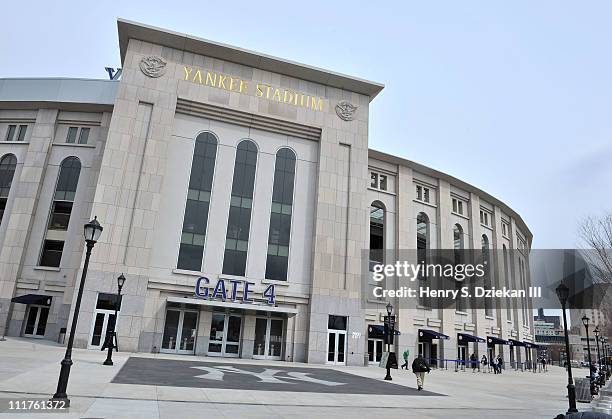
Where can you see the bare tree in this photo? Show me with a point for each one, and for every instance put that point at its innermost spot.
(596, 237)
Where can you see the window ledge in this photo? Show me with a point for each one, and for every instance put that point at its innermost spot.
(460, 215)
(461, 313)
(275, 282)
(74, 145)
(46, 268)
(486, 226)
(186, 272)
(381, 191)
(509, 321)
(490, 317)
(14, 142)
(425, 203)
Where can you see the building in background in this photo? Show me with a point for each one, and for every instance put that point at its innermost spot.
(239, 197)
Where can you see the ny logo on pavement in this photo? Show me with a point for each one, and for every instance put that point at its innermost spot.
(216, 373)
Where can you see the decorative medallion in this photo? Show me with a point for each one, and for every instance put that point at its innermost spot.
(346, 110)
(153, 66)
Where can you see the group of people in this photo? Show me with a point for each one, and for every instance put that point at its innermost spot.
(496, 363)
(420, 366)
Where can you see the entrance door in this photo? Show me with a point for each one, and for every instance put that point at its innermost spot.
(336, 347)
(36, 321)
(375, 350)
(268, 338)
(103, 319)
(462, 355)
(225, 335)
(180, 331)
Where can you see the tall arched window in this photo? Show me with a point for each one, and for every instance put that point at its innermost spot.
(8, 163)
(195, 220)
(488, 302)
(422, 237)
(458, 253)
(377, 234)
(277, 261)
(241, 203)
(61, 209)
(507, 282)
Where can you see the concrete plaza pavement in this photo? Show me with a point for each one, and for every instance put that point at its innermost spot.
(29, 370)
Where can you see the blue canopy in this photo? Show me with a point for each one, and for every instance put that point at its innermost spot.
(492, 340)
(431, 334)
(465, 338)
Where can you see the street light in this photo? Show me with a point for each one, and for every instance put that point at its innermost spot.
(596, 331)
(110, 333)
(585, 322)
(91, 231)
(563, 294)
(390, 332)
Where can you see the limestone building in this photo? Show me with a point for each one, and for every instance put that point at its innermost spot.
(237, 194)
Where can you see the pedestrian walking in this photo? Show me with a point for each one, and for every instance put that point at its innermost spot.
(419, 368)
(406, 354)
(494, 365)
(484, 362)
(500, 364)
(474, 362)
(544, 363)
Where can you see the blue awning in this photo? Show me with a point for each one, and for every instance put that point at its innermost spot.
(465, 338)
(431, 334)
(376, 331)
(531, 345)
(492, 340)
(43, 300)
(515, 342)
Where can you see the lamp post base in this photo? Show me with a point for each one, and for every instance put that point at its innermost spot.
(107, 362)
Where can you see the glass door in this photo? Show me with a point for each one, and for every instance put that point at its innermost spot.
(336, 347)
(224, 339)
(375, 350)
(180, 331)
(103, 319)
(36, 321)
(462, 355)
(268, 338)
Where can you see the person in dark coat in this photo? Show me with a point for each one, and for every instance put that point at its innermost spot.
(419, 368)
(474, 362)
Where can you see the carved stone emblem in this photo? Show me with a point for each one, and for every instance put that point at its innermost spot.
(346, 110)
(153, 66)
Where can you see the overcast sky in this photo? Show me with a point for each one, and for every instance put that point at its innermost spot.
(514, 98)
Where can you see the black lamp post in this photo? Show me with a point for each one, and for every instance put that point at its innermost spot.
(110, 333)
(563, 294)
(585, 322)
(92, 231)
(596, 331)
(389, 337)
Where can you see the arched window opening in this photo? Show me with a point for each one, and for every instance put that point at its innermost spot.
(241, 203)
(8, 164)
(195, 220)
(488, 301)
(377, 234)
(61, 210)
(279, 235)
(422, 237)
(458, 255)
